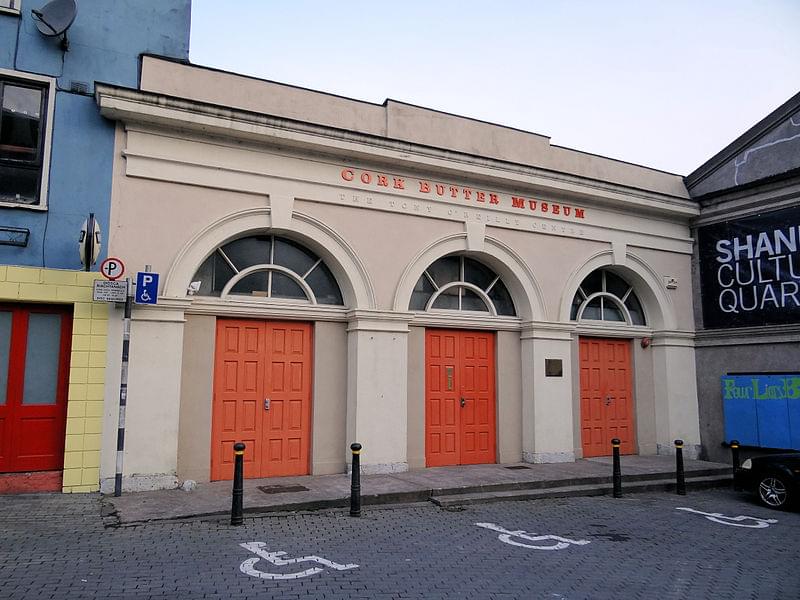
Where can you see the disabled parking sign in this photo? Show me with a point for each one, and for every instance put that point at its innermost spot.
(547, 540)
(146, 288)
(276, 559)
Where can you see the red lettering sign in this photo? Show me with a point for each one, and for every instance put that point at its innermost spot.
(469, 194)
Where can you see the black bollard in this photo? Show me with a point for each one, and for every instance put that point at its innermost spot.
(617, 472)
(355, 485)
(680, 487)
(237, 505)
(735, 457)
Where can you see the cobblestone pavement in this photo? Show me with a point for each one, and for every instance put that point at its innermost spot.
(640, 546)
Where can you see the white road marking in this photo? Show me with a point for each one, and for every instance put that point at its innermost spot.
(506, 537)
(732, 521)
(248, 566)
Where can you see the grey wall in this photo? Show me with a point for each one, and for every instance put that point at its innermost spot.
(715, 361)
(774, 153)
(767, 153)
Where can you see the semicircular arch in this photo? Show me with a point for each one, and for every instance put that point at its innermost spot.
(515, 274)
(341, 259)
(646, 283)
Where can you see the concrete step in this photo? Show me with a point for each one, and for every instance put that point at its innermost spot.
(591, 489)
(580, 481)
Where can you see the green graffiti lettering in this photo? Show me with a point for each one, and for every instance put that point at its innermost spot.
(791, 387)
(757, 394)
(729, 391)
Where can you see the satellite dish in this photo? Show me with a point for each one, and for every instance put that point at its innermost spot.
(54, 18)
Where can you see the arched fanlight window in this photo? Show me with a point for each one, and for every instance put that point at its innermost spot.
(267, 266)
(460, 283)
(605, 296)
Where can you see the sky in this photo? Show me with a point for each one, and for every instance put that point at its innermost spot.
(665, 84)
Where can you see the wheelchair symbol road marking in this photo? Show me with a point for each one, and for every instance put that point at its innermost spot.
(506, 536)
(260, 548)
(759, 523)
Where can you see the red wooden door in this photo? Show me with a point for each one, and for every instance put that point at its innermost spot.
(287, 423)
(34, 378)
(460, 398)
(606, 396)
(262, 397)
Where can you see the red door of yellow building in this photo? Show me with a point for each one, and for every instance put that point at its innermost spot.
(34, 376)
(459, 398)
(262, 397)
(606, 396)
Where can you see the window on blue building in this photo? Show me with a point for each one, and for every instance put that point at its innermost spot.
(12, 4)
(22, 126)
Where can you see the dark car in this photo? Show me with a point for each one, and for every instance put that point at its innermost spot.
(774, 478)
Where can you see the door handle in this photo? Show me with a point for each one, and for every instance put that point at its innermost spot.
(608, 400)
(463, 403)
(266, 403)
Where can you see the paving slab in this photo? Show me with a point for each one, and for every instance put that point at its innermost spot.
(314, 492)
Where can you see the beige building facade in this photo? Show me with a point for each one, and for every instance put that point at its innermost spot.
(439, 289)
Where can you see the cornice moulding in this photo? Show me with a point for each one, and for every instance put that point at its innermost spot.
(432, 319)
(543, 330)
(770, 334)
(377, 320)
(131, 106)
(618, 331)
(253, 308)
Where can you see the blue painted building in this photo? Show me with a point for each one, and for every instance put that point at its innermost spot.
(56, 157)
(50, 182)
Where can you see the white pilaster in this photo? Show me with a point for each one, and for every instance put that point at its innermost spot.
(153, 405)
(547, 419)
(377, 415)
(676, 409)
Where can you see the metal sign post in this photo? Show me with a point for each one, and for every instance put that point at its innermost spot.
(123, 386)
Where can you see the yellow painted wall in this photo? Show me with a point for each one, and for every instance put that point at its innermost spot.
(87, 362)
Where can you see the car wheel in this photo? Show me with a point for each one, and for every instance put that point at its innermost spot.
(773, 491)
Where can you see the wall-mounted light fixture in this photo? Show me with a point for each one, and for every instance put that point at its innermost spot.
(646, 342)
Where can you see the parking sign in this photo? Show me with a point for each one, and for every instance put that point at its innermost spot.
(146, 288)
(112, 268)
